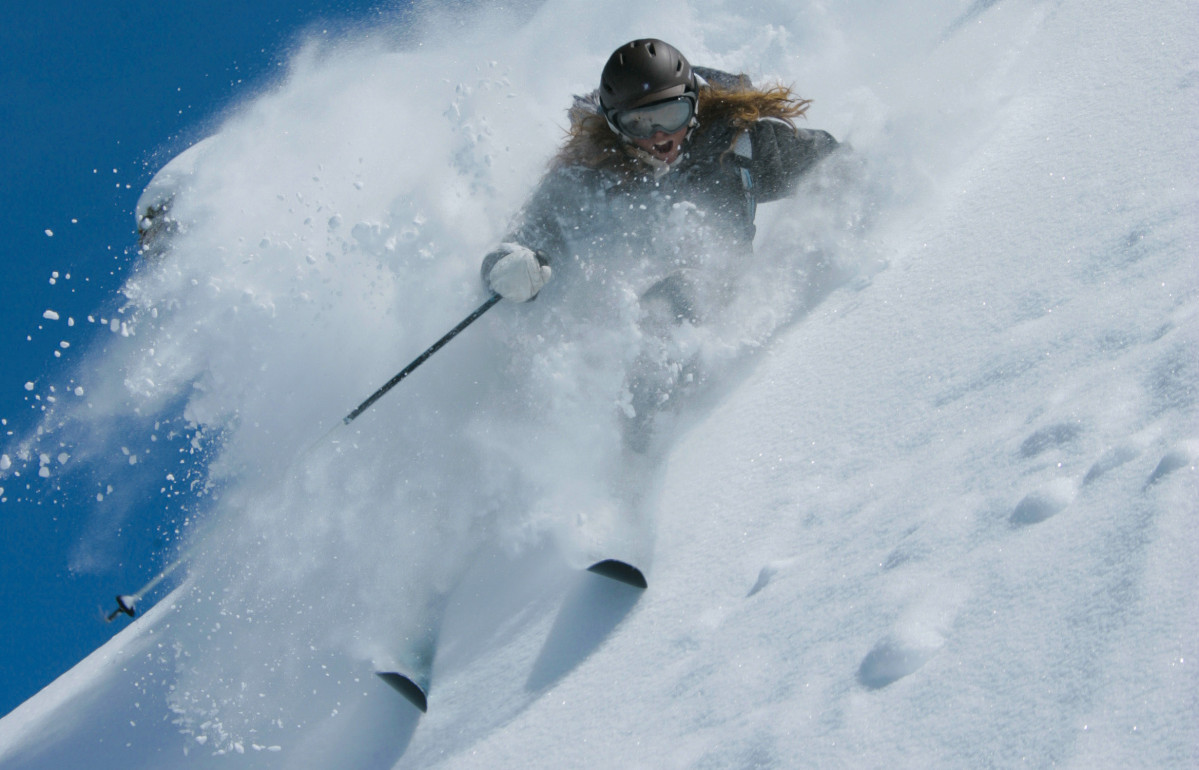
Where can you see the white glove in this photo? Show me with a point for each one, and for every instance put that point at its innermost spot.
(518, 275)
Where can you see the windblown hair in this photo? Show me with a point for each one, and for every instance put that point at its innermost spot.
(744, 106)
(593, 144)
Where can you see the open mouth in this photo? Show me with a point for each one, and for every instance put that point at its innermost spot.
(664, 148)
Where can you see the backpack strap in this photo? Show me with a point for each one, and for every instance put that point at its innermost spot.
(743, 153)
(743, 147)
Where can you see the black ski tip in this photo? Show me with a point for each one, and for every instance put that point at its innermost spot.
(614, 569)
(406, 687)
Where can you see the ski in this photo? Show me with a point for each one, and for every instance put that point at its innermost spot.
(623, 572)
(417, 693)
(405, 686)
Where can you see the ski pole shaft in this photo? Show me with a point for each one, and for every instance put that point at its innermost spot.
(407, 370)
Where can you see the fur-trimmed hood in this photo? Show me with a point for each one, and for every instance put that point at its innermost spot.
(723, 114)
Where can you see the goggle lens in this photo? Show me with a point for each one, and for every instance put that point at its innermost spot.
(644, 122)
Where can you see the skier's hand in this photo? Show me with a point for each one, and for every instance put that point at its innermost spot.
(519, 274)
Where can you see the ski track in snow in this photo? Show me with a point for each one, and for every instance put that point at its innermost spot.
(936, 508)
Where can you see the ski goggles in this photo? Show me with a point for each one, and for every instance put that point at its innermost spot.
(643, 122)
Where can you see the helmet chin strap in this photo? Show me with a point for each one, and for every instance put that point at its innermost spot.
(660, 167)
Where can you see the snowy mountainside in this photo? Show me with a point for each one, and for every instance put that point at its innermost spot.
(936, 508)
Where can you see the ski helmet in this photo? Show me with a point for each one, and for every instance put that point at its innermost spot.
(642, 72)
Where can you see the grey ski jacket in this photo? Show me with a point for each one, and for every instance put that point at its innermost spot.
(585, 211)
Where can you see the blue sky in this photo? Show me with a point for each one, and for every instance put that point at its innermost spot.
(95, 98)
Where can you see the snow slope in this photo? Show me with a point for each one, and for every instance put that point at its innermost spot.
(936, 509)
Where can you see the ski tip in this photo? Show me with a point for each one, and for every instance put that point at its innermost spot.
(623, 572)
(411, 691)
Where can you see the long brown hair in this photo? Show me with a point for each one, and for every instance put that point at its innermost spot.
(742, 107)
(590, 142)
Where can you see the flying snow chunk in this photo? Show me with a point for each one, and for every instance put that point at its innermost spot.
(29, 386)
(5, 462)
(50, 315)
(49, 233)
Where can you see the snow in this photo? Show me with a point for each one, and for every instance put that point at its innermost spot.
(936, 508)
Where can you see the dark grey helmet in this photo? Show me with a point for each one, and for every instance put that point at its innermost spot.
(643, 72)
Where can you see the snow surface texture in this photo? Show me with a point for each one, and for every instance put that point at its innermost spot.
(937, 506)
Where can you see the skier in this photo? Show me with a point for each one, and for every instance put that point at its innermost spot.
(649, 205)
(667, 162)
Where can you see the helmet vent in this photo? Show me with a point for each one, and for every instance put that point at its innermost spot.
(651, 50)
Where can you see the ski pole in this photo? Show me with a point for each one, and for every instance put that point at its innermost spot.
(127, 603)
(407, 370)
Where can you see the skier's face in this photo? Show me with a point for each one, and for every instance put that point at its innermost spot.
(663, 146)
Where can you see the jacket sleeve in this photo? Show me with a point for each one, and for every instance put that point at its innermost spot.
(538, 225)
(782, 154)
